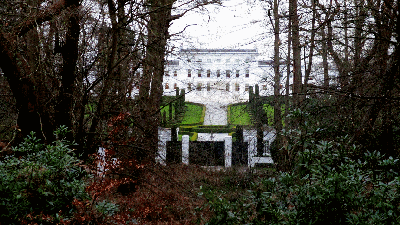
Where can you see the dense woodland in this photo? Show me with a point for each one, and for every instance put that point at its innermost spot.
(76, 63)
(73, 64)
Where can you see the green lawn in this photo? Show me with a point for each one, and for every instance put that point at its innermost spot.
(238, 115)
(270, 113)
(194, 114)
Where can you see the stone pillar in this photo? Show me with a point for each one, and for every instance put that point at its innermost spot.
(164, 135)
(252, 150)
(228, 151)
(101, 163)
(185, 149)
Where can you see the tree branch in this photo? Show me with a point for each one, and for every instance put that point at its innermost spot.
(40, 18)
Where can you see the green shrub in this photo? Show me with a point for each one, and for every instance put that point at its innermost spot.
(165, 109)
(194, 136)
(225, 210)
(44, 181)
(332, 188)
(107, 208)
(208, 129)
(330, 185)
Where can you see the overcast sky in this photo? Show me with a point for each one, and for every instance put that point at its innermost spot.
(235, 24)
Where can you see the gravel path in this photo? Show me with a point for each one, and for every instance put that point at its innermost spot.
(216, 103)
(216, 114)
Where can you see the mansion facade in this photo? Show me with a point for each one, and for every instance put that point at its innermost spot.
(218, 72)
(227, 74)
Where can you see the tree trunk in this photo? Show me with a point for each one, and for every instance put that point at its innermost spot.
(325, 59)
(297, 77)
(17, 71)
(312, 46)
(25, 73)
(288, 71)
(150, 91)
(65, 104)
(277, 76)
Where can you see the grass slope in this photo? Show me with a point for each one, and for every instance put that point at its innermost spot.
(238, 115)
(194, 114)
(270, 113)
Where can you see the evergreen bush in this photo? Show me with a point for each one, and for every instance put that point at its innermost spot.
(330, 182)
(40, 185)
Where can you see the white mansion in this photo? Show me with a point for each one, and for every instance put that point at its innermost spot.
(211, 73)
(226, 74)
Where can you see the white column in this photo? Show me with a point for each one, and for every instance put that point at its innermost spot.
(101, 161)
(252, 150)
(228, 151)
(164, 135)
(185, 149)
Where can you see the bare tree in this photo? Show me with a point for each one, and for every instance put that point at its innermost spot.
(277, 75)
(21, 65)
(63, 70)
(296, 46)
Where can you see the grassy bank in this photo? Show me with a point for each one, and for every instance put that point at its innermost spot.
(269, 109)
(238, 114)
(194, 114)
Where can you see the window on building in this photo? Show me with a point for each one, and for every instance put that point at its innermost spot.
(247, 73)
(218, 73)
(246, 87)
(199, 73)
(228, 73)
(228, 60)
(208, 60)
(167, 73)
(198, 86)
(208, 86)
(175, 86)
(208, 73)
(237, 87)
(199, 60)
(189, 73)
(166, 86)
(175, 73)
(218, 60)
(237, 73)
(189, 86)
(265, 87)
(227, 87)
